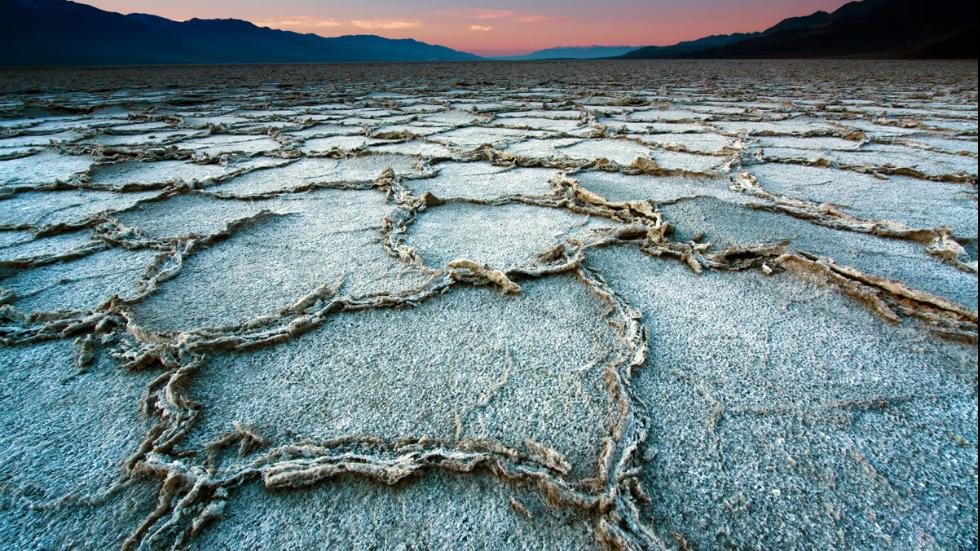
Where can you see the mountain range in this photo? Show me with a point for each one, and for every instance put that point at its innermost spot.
(571, 52)
(62, 32)
(867, 29)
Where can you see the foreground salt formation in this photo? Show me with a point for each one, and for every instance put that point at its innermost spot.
(522, 306)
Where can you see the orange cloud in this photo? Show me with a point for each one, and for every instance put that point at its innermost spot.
(383, 24)
(541, 19)
(300, 21)
(480, 14)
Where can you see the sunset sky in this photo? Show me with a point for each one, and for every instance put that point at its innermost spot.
(497, 28)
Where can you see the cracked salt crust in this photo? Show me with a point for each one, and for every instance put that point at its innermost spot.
(788, 391)
(588, 305)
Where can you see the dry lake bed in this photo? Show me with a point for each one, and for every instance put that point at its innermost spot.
(571, 305)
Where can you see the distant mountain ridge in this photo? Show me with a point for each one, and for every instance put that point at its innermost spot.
(571, 52)
(61, 32)
(864, 29)
(688, 47)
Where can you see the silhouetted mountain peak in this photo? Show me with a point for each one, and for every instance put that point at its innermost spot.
(236, 24)
(150, 19)
(815, 20)
(868, 28)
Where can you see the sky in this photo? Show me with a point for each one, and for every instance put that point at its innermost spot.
(495, 28)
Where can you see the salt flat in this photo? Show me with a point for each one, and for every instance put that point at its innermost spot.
(566, 305)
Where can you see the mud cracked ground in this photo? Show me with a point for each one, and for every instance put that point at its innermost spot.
(552, 305)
